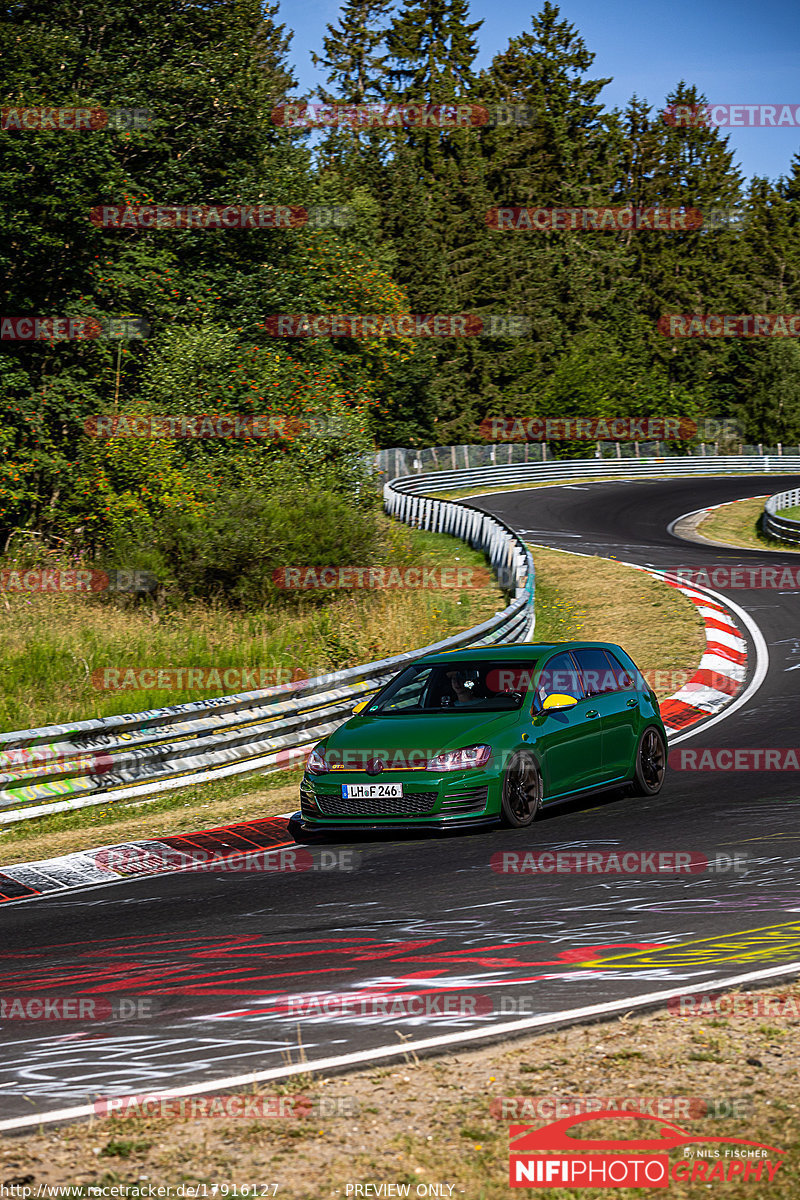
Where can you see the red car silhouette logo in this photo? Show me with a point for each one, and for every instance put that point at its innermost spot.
(527, 1139)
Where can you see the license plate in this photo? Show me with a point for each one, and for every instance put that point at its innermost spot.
(372, 791)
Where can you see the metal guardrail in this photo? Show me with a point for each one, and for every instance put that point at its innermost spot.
(83, 763)
(786, 529)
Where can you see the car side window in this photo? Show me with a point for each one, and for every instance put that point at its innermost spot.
(560, 676)
(600, 673)
(626, 679)
(409, 695)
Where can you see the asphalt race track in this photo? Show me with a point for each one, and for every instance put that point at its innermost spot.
(217, 955)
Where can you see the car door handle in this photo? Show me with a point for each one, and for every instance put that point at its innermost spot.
(632, 703)
(593, 713)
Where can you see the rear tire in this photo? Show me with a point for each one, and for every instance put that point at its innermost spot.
(651, 762)
(522, 791)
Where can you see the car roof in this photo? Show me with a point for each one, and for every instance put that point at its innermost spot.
(513, 651)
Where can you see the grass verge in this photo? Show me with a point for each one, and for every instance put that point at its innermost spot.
(53, 644)
(431, 1121)
(739, 524)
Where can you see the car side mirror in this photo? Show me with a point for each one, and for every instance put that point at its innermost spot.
(558, 701)
(360, 707)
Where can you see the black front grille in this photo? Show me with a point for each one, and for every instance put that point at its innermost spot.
(472, 800)
(419, 804)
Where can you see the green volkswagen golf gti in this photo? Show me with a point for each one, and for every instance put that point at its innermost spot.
(486, 736)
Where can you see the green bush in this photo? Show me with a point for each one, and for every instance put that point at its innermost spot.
(229, 552)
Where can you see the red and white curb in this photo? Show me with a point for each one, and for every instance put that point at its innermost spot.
(230, 847)
(722, 671)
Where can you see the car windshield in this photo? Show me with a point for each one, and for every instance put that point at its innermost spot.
(454, 686)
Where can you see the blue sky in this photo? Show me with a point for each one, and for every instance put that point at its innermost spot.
(736, 52)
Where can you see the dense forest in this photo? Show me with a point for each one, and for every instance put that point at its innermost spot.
(212, 78)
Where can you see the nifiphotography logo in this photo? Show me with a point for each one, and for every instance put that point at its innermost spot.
(549, 1157)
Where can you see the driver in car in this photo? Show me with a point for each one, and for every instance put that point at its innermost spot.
(467, 687)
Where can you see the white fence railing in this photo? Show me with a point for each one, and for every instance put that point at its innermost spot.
(785, 528)
(398, 461)
(600, 468)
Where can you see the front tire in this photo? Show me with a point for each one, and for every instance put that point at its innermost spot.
(522, 791)
(651, 762)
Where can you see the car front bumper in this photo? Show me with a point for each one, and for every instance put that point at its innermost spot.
(302, 829)
(429, 801)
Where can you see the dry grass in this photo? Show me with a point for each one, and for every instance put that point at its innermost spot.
(739, 524)
(53, 643)
(430, 1121)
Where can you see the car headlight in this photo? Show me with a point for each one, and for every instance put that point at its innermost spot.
(460, 760)
(317, 764)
